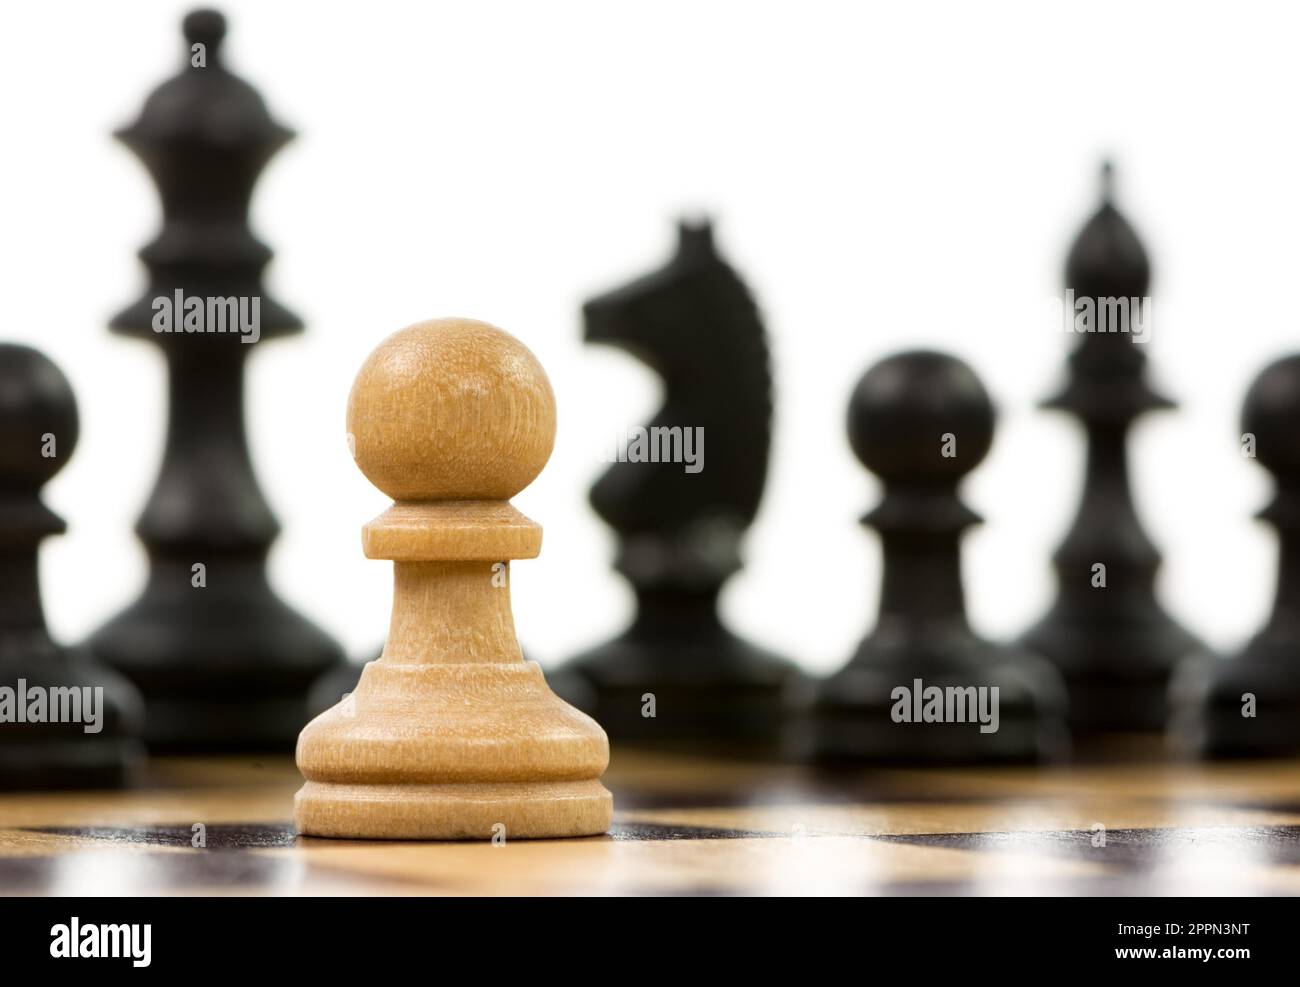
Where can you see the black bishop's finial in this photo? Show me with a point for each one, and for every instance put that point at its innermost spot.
(1107, 181)
(1107, 632)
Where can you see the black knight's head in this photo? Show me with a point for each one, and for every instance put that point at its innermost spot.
(656, 317)
(694, 323)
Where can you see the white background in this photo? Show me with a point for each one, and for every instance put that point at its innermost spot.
(884, 175)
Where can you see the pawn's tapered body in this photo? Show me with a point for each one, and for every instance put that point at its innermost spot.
(921, 421)
(451, 734)
(223, 663)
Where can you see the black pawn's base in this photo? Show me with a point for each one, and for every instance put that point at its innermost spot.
(1212, 721)
(850, 715)
(715, 693)
(54, 756)
(1117, 676)
(219, 670)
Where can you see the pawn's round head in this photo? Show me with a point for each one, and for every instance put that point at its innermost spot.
(451, 409)
(920, 416)
(38, 417)
(1271, 413)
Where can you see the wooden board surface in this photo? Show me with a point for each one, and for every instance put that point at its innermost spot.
(696, 826)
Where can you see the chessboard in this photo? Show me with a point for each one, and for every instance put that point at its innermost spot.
(695, 826)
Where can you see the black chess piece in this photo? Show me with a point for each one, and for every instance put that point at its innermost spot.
(336, 684)
(1107, 633)
(1249, 705)
(921, 421)
(64, 722)
(222, 662)
(677, 675)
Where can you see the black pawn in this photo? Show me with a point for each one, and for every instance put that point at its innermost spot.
(38, 432)
(1115, 645)
(222, 662)
(921, 421)
(677, 676)
(1250, 704)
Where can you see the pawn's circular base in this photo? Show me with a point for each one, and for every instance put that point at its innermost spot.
(719, 693)
(474, 811)
(452, 751)
(67, 763)
(1103, 705)
(1246, 706)
(191, 722)
(101, 750)
(852, 735)
(1228, 735)
(1117, 674)
(220, 669)
(857, 715)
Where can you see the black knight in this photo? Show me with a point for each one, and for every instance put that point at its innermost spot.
(677, 675)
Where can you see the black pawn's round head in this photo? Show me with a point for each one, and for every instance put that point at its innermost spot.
(1271, 413)
(38, 417)
(920, 416)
